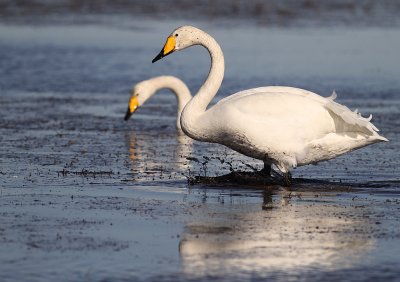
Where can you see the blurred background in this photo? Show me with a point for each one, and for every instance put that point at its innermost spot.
(270, 12)
(275, 42)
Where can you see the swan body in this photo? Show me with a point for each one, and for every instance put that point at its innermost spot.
(143, 90)
(271, 126)
(283, 126)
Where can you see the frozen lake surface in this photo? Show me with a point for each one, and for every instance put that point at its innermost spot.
(87, 196)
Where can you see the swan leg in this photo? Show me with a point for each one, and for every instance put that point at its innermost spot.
(287, 178)
(284, 167)
(266, 171)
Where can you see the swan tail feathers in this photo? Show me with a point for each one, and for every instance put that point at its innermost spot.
(353, 120)
(381, 138)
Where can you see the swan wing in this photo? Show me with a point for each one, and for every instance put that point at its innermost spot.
(295, 107)
(275, 90)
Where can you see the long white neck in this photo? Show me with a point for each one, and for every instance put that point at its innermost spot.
(177, 86)
(191, 116)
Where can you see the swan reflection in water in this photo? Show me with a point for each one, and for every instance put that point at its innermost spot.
(159, 155)
(286, 234)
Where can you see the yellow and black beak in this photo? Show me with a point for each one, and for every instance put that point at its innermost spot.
(169, 47)
(133, 105)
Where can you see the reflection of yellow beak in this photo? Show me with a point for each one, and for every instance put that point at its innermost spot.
(169, 47)
(133, 105)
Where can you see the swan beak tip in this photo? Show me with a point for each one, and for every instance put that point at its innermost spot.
(168, 48)
(158, 57)
(128, 114)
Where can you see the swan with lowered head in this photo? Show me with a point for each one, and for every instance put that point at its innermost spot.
(147, 88)
(282, 126)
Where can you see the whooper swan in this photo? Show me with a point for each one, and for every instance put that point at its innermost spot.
(147, 88)
(283, 126)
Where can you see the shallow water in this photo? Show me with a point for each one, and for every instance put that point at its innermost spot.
(87, 196)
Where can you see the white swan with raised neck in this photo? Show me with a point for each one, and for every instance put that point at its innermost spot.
(284, 126)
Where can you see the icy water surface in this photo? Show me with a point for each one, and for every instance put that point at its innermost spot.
(87, 196)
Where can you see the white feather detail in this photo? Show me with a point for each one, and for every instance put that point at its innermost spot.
(351, 118)
(333, 95)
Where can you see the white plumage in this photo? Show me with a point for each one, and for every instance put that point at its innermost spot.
(283, 126)
(144, 90)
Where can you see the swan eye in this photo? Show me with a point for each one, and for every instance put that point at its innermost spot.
(176, 35)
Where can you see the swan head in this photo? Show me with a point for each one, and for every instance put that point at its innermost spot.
(181, 38)
(139, 94)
